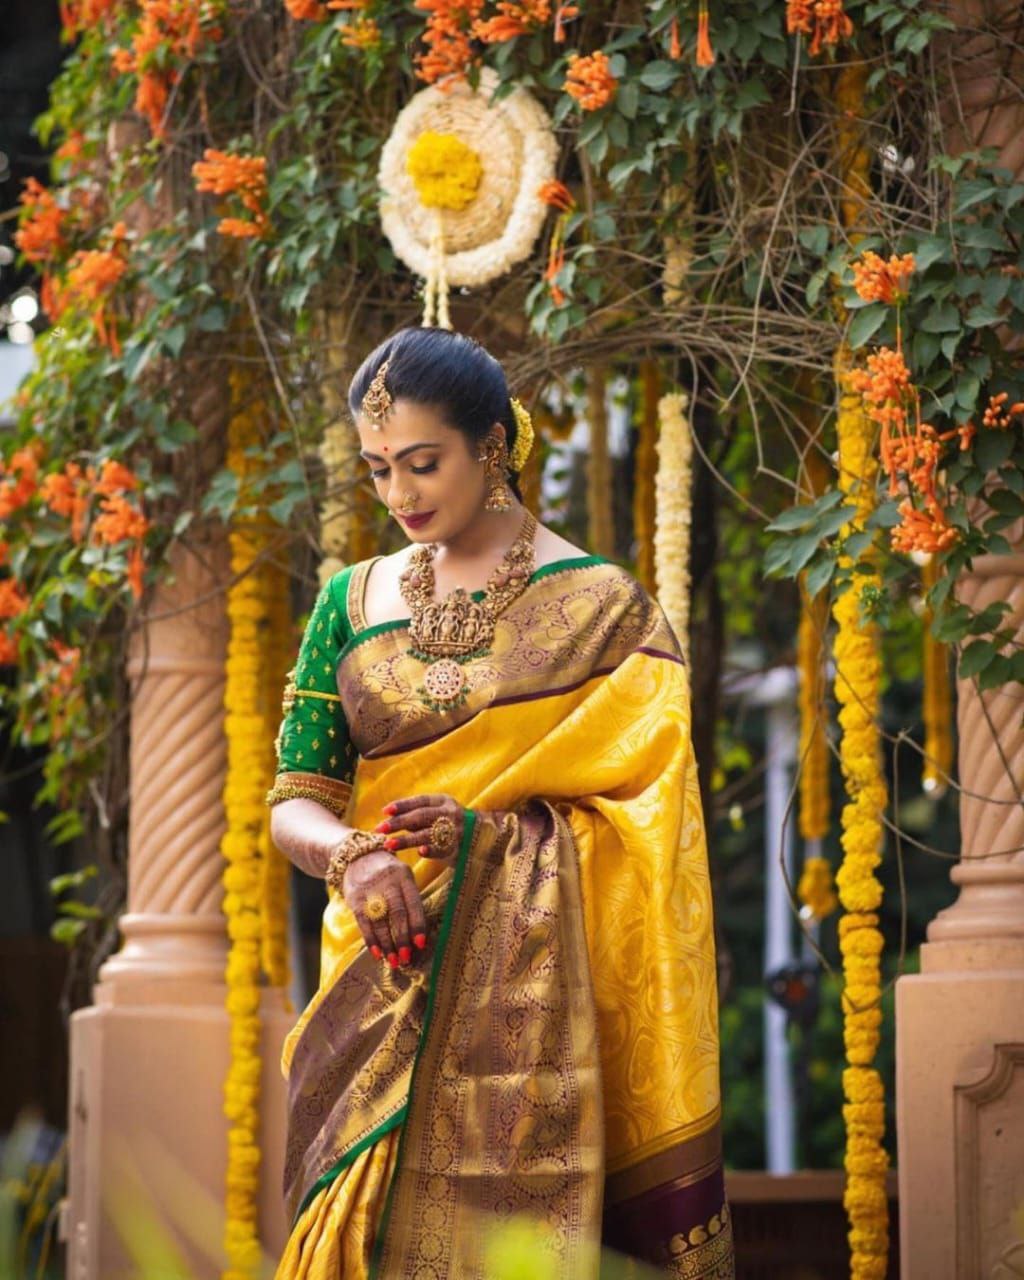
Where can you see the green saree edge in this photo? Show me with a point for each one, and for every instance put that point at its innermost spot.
(442, 946)
(327, 1178)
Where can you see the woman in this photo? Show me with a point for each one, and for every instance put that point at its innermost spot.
(486, 753)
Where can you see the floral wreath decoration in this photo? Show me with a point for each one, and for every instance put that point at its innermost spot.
(460, 176)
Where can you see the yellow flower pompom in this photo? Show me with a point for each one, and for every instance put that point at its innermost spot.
(445, 171)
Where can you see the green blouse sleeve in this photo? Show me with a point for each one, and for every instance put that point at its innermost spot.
(313, 738)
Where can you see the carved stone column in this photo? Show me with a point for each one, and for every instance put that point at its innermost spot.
(148, 1137)
(960, 1022)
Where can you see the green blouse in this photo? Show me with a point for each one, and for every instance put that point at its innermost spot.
(313, 738)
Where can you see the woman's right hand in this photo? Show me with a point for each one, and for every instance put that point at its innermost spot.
(405, 925)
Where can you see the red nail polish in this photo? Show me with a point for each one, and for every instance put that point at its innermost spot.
(376, 952)
(393, 960)
(391, 844)
(424, 850)
(405, 954)
(383, 826)
(391, 808)
(420, 939)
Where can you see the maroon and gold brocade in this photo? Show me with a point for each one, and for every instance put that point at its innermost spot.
(564, 1016)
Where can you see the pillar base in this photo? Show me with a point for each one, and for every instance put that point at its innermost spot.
(960, 1117)
(148, 1139)
(166, 959)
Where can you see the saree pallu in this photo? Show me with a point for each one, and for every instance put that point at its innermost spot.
(553, 1053)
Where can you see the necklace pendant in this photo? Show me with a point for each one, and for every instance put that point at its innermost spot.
(445, 685)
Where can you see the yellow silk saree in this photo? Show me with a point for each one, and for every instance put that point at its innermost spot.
(553, 1053)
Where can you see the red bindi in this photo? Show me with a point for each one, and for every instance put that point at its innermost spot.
(385, 448)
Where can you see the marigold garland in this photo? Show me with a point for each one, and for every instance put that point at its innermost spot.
(646, 461)
(857, 687)
(673, 503)
(814, 757)
(600, 527)
(937, 698)
(815, 888)
(253, 606)
(858, 692)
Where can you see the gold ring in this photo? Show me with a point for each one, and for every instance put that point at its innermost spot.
(408, 504)
(442, 835)
(376, 908)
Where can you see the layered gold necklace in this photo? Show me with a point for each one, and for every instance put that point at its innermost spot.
(448, 633)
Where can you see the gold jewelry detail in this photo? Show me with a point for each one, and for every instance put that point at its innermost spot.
(330, 792)
(442, 835)
(499, 495)
(524, 436)
(408, 504)
(376, 908)
(377, 402)
(356, 844)
(459, 628)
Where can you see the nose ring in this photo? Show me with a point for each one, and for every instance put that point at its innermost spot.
(408, 504)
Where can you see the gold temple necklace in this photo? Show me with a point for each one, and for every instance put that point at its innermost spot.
(448, 633)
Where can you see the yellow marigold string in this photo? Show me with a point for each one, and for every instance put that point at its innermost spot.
(814, 749)
(275, 879)
(644, 505)
(858, 691)
(937, 699)
(673, 506)
(815, 889)
(600, 529)
(857, 686)
(254, 612)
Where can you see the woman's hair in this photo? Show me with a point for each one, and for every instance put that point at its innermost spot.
(448, 370)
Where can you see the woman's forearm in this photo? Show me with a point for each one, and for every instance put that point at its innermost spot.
(306, 833)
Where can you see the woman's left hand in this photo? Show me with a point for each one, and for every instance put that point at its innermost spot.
(416, 817)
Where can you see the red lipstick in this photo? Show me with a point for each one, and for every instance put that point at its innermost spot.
(417, 522)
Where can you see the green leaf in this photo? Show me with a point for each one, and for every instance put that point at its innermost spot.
(866, 323)
(803, 548)
(885, 516)
(976, 657)
(820, 573)
(66, 931)
(943, 317)
(73, 879)
(659, 74)
(981, 316)
(1005, 502)
(991, 449)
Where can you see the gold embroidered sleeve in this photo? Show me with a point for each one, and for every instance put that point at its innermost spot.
(313, 746)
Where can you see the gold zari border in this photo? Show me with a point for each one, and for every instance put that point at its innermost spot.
(330, 792)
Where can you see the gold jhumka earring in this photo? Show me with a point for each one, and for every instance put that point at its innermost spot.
(376, 404)
(499, 495)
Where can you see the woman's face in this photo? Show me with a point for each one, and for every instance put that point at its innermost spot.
(417, 454)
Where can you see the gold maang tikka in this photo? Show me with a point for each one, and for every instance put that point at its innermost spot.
(376, 404)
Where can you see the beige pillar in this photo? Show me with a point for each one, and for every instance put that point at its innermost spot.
(148, 1060)
(960, 1022)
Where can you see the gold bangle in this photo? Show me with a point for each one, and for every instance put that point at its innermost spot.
(356, 844)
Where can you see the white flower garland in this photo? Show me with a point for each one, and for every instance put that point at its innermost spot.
(516, 145)
(673, 498)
